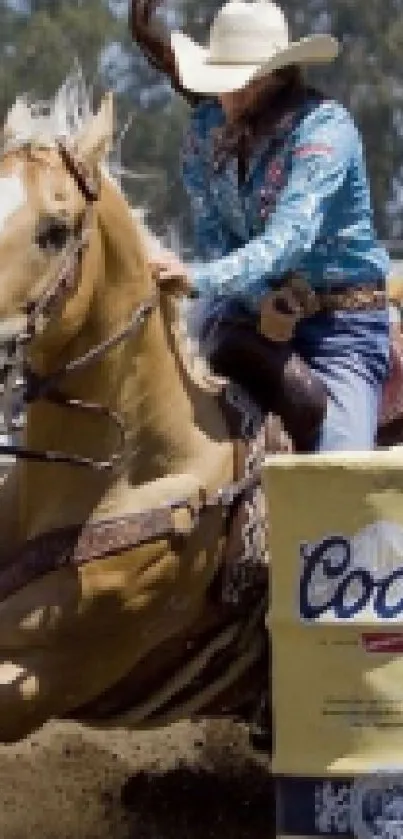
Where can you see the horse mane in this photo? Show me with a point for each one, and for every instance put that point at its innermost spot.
(64, 117)
(44, 121)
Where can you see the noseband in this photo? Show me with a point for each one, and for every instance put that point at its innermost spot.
(38, 313)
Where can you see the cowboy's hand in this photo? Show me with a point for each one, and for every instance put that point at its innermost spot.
(172, 276)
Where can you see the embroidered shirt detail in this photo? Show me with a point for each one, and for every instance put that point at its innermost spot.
(301, 151)
(309, 186)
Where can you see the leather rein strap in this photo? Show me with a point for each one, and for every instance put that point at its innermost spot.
(38, 387)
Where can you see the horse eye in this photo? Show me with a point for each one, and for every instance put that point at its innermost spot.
(52, 233)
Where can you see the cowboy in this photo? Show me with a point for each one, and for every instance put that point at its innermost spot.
(279, 193)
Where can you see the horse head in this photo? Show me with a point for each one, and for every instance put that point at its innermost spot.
(48, 188)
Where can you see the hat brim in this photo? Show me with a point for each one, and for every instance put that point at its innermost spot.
(201, 76)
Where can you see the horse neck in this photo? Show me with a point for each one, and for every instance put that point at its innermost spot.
(140, 379)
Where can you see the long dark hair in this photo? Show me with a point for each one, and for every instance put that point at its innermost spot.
(237, 138)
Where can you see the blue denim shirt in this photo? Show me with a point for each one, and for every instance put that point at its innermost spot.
(304, 205)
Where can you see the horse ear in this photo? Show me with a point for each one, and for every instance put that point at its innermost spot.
(96, 140)
(17, 120)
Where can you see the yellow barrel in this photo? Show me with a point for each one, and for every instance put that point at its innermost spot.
(336, 624)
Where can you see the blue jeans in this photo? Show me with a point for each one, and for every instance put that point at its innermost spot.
(350, 352)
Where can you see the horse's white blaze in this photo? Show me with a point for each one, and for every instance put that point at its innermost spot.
(12, 197)
(10, 673)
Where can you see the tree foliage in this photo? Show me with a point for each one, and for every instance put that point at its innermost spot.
(41, 39)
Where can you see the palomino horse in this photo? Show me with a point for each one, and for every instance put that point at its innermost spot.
(111, 607)
(118, 572)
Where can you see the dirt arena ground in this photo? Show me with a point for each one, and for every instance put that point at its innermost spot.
(192, 781)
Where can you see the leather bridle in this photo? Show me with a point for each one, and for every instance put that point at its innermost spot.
(39, 311)
(100, 538)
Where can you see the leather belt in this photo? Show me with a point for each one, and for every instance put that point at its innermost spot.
(352, 297)
(295, 299)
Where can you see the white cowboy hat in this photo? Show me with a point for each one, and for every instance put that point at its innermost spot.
(246, 41)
